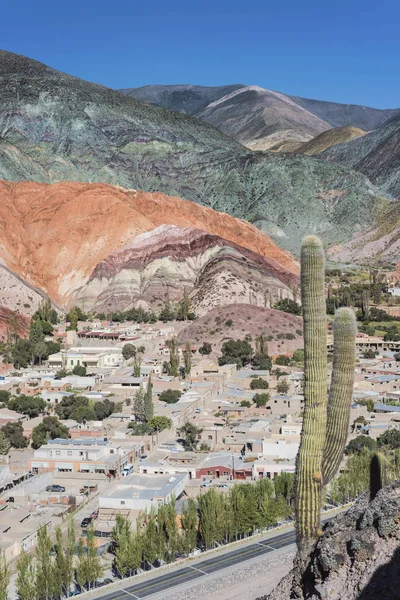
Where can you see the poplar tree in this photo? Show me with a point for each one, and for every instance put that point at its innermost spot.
(5, 575)
(4, 444)
(45, 567)
(94, 569)
(148, 401)
(150, 542)
(189, 526)
(187, 358)
(138, 405)
(173, 356)
(26, 584)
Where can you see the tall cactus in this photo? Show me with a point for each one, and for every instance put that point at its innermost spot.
(309, 458)
(341, 391)
(326, 420)
(377, 474)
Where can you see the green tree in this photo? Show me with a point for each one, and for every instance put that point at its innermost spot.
(45, 581)
(94, 569)
(4, 444)
(35, 337)
(73, 318)
(298, 355)
(261, 399)
(358, 444)
(26, 585)
(137, 361)
(49, 429)
(259, 384)
(189, 526)
(31, 406)
(5, 576)
(288, 306)
(170, 396)
(138, 405)
(148, 401)
(79, 370)
(282, 387)
(5, 395)
(40, 351)
(190, 432)
(173, 356)
(159, 423)
(282, 360)
(128, 351)
(121, 535)
(14, 432)
(236, 351)
(151, 539)
(187, 358)
(391, 439)
(245, 403)
(205, 348)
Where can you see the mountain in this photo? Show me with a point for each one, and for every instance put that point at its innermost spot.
(341, 115)
(55, 127)
(332, 137)
(377, 155)
(259, 118)
(103, 246)
(188, 99)
(379, 244)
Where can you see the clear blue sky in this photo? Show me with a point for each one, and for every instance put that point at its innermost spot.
(339, 50)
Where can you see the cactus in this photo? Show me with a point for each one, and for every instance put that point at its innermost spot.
(341, 391)
(377, 473)
(325, 427)
(309, 458)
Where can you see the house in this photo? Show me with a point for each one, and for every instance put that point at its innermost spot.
(10, 416)
(82, 455)
(271, 467)
(224, 464)
(139, 492)
(91, 358)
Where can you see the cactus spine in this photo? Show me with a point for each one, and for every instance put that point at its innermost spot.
(377, 474)
(325, 421)
(341, 391)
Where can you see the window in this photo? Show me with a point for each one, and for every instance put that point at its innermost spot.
(72, 363)
(122, 502)
(111, 451)
(210, 437)
(69, 452)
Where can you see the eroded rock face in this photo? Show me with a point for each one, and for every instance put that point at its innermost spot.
(357, 558)
(11, 322)
(172, 259)
(63, 237)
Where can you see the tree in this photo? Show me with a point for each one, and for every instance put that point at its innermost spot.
(40, 351)
(4, 443)
(261, 399)
(128, 351)
(138, 405)
(282, 387)
(288, 306)
(370, 353)
(166, 313)
(137, 361)
(79, 370)
(31, 406)
(73, 318)
(21, 354)
(282, 360)
(151, 539)
(261, 362)
(173, 356)
(205, 348)
(148, 401)
(259, 384)
(391, 439)
(189, 431)
(245, 403)
(4, 396)
(14, 432)
(189, 526)
(5, 576)
(25, 584)
(89, 562)
(60, 374)
(187, 358)
(159, 423)
(49, 429)
(298, 355)
(236, 351)
(359, 443)
(184, 307)
(121, 535)
(35, 337)
(170, 396)
(45, 581)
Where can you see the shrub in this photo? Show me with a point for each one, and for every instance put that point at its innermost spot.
(170, 396)
(259, 384)
(261, 399)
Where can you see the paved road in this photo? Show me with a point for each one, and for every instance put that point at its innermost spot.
(200, 569)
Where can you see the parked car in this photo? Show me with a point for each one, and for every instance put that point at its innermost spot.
(86, 522)
(222, 485)
(55, 488)
(206, 484)
(104, 582)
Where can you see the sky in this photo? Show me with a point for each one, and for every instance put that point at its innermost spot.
(343, 51)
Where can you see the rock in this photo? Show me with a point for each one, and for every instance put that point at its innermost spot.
(357, 558)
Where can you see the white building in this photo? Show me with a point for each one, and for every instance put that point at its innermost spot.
(95, 358)
(141, 492)
(280, 448)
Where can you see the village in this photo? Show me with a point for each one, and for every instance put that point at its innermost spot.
(212, 429)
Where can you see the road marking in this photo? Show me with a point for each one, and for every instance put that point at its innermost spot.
(199, 570)
(267, 546)
(130, 593)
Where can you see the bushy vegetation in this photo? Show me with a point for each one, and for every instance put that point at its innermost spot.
(289, 306)
(153, 425)
(170, 396)
(49, 429)
(82, 409)
(259, 383)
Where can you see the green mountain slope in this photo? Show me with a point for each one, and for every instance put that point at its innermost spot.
(56, 127)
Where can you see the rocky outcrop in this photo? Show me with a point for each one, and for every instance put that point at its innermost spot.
(357, 557)
(11, 323)
(62, 237)
(171, 259)
(327, 139)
